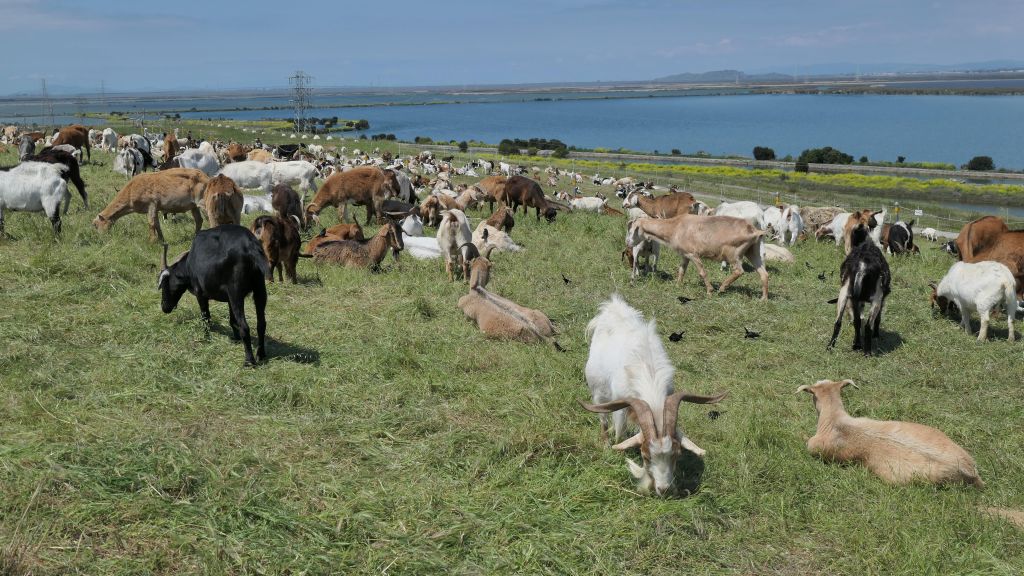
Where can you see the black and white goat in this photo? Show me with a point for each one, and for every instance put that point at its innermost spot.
(865, 278)
(225, 264)
(901, 238)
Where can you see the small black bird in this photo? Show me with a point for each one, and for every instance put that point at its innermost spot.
(748, 333)
(808, 264)
(684, 299)
(564, 279)
(833, 301)
(676, 336)
(714, 414)
(559, 346)
(821, 276)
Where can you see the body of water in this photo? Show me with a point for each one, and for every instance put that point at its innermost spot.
(922, 128)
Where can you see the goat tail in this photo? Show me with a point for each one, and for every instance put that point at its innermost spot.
(857, 285)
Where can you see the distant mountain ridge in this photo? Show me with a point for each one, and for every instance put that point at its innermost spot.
(839, 69)
(723, 76)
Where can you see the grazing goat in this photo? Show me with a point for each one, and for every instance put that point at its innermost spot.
(362, 186)
(298, 172)
(76, 135)
(362, 254)
(494, 190)
(977, 288)
(281, 242)
(897, 452)
(978, 236)
(250, 174)
(520, 190)
(456, 243)
(722, 238)
(169, 191)
(588, 204)
(502, 318)
(640, 249)
(629, 373)
(202, 160)
(67, 168)
(667, 206)
(38, 191)
(26, 147)
(930, 234)
(225, 264)
(864, 277)
(901, 238)
(744, 210)
(223, 201)
(287, 203)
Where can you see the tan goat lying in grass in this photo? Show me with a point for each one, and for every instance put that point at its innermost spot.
(896, 452)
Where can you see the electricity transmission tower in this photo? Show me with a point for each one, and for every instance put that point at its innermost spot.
(49, 104)
(301, 84)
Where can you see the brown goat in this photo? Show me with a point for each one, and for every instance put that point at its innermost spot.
(502, 220)
(430, 211)
(235, 152)
(480, 269)
(260, 155)
(365, 254)
(171, 147)
(978, 236)
(494, 190)
(520, 190)
(667, 206)
(1007, 249)
(169, 191)
(722, 238)
(287, 202)
(75, 135)
(363, 186)
(223, 201)
(865, 217)
(280, 239)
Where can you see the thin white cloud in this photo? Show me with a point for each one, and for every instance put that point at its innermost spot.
(722, 46)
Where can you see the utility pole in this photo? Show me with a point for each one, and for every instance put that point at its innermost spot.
(103, 95)
(301, 84)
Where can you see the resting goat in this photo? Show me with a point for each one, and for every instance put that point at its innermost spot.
(864, 277)
(629, 373)
(499, 317)
(225, 264)
(897, 452)
(365, 254)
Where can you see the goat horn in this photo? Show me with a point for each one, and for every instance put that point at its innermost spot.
(163, 261)
(849, 382)
(487, 252)
(672, 406)
(642, 411)
(803, 388)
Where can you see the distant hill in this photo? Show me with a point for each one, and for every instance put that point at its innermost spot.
(723, 76)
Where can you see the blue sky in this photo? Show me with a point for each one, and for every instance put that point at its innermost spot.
(214, 44)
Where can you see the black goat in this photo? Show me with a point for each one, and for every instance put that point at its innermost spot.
(225, 264)
(901, 237)
(72, 175)
(864, 277)
(26, 147)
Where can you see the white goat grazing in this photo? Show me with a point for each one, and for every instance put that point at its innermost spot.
(930, 233)
(200, 160)
(487, 234)
(256, 204)
(588, 204)
(744, 210)
(298, 172)
(39, 191)
(792, 224)
(641, 249)
(250, 174)
(897, 452)
(628, 371)
(977, 288)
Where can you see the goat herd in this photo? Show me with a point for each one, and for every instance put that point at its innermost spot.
(628, 371)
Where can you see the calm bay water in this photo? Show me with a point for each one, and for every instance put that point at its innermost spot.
(922, 128)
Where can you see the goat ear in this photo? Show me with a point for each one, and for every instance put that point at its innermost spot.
(848, 382)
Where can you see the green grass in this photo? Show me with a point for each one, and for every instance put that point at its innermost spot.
(386, 434)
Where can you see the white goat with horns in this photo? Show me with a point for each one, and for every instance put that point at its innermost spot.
(628, 371)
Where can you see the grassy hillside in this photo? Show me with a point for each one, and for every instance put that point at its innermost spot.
(386, 434)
